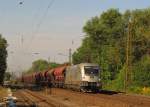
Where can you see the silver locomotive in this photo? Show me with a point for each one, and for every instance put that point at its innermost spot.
(84, 77)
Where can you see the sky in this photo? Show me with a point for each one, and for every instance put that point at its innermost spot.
(48, 27)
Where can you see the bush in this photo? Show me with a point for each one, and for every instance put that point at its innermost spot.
(118, 83)
(141, 72)
(135, 89)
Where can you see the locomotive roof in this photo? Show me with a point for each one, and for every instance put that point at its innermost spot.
(88, 64)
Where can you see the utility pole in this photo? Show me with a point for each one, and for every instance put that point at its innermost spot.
(128, 71)
(22, 40)
(70, 56)
(49, 59)
(54, 59)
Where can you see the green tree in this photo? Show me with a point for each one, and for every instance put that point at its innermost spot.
(83, 54)
(53, 64)
(141, 72)
(40, 65)
(7, 76)
(105, 43)
(102, 43)
(141, 34)
(3, 56)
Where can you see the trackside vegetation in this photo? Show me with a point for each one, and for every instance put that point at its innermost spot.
(3, 56)
(40, 65)
(105, 43)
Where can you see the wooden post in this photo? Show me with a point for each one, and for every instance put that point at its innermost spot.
(128, 58)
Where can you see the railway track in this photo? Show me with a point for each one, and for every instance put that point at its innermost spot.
(35, 99)
(24, 100)
(27, 98)
(41, 98)
(69, 98)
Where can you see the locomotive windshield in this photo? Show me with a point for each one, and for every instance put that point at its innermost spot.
(91, 70)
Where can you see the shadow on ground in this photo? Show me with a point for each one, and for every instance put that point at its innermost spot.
(108, 92)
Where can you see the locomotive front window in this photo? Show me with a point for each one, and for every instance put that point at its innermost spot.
(91, 70)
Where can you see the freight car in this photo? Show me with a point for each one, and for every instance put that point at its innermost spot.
(59, 76)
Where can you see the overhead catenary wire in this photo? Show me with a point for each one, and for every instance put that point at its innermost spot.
(21, 3)
(34, 34)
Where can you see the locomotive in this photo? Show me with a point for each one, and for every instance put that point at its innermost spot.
(83, 77)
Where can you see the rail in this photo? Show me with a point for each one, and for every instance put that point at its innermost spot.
(41, 99)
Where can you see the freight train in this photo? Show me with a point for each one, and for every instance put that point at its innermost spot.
(83, 77)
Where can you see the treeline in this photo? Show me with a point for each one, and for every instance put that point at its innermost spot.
(105, 43)
(40, 65)
(3, 56)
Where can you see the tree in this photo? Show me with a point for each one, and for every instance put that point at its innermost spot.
(3, 56)
(141, 34)
(83, 54)
(102, 43)
(40, 65)
(53, 64)
(141, 72)
(106, 40)
(7, 76)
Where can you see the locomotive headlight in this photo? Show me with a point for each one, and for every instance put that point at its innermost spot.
(99, 79)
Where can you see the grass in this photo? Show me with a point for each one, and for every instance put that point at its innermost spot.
(3, 92)
(130, 90)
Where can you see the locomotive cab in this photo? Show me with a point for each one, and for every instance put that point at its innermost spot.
(90, 78)
(84, 77)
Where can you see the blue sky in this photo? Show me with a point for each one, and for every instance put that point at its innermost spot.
(62, 24)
